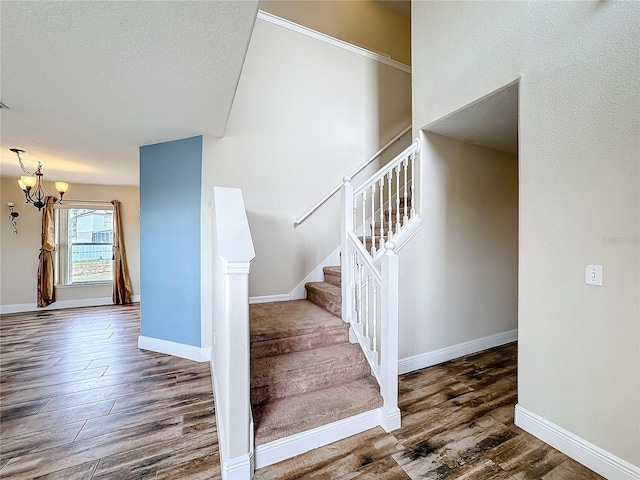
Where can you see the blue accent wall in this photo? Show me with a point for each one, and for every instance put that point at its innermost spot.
(170, 182)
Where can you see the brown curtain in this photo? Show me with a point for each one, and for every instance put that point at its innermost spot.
(46, 290)
(121, 283)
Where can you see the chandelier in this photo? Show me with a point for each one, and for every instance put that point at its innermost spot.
(35, 191)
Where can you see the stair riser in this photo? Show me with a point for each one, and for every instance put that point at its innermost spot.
(299, 343)
(333, 279)
(307, 380)
(328, 302)
(292, 415)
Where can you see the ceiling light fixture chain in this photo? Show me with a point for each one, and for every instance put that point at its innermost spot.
(35, 191)
(17, 151)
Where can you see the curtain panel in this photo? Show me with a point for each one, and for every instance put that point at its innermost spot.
(122, 292)
(46, 290)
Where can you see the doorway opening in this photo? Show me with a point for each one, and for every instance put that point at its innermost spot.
(471, 183)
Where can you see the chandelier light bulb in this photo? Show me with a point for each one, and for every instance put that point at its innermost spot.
(29, 181)
(62, 187)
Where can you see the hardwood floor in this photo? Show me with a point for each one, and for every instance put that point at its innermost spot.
(79, 400)
(457, 423)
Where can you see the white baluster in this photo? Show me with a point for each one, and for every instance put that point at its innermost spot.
(381, 213)
(375, 318)
(373, 210)
(390, 178)
(360, 294)
(405, 218)
(413, 176)
(364, 218)
(354, 296)
(397, 198)
(366, 305)
(355, 214)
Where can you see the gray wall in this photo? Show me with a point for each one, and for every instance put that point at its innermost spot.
(579, 345)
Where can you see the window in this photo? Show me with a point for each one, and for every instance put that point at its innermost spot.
(84, 244)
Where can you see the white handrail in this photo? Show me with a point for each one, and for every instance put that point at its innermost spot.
(357, 171)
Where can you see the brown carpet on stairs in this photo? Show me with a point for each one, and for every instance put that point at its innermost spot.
(326, 295)
(304, 371)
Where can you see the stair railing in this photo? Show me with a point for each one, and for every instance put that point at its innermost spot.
(384, 207)
(382, 211)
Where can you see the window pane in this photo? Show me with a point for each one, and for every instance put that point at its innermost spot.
(90, 242)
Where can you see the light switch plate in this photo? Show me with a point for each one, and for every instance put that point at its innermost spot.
(593, 275)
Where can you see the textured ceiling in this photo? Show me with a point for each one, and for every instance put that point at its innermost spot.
(491, 121)
(87, 83)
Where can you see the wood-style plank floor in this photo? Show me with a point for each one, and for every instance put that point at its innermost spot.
(79, 400)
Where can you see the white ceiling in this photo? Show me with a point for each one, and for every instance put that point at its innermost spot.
(491, 121)
(87, 83)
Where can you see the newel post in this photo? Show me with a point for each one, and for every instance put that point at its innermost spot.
(346, 225)
(232, 256)
(389, 338)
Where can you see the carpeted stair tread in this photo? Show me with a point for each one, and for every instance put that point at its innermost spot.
(333, 275)
(283, 319)
(284, 327)
(291, 415)
(326, 296)
(300, 372)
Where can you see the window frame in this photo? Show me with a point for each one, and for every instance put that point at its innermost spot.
(62, 243)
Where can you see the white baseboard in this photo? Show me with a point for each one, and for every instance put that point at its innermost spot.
(588, 454)
(181, 350)
(390, 420)
(237, 468)
(85, 302)
(284, 448)
(283, 297)
(428, 359)
(300, 292)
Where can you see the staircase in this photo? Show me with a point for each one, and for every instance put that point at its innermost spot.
(293, 376)
(304, 371)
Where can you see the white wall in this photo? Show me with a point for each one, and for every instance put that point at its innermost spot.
(306, 113)
(579, 124)
(19, 253)
(459, 274)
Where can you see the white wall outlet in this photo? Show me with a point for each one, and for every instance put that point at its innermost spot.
(593, 275)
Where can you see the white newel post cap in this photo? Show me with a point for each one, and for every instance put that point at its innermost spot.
(346, 179)
(389, 247)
